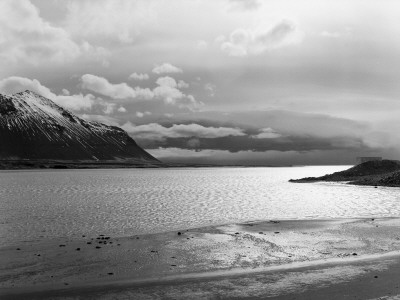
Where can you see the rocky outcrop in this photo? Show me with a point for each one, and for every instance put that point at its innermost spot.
(375, 173)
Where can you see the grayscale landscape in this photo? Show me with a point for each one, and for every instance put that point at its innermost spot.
(199, 149)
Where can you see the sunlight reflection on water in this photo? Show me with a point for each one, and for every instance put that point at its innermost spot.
(67, 203)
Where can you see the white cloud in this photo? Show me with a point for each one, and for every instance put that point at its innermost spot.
(166, 68)
(14, 84)
(255, 41)
(26, 37)
(118, 91)
(121, 109)
(168, 90)
(267, 133)
(154, 131)
(65, 92)
(76, 102)
(139, 76)
(142, 114)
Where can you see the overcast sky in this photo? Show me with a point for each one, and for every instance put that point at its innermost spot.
(217, 81)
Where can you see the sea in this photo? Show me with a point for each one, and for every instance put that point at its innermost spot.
(37, 205)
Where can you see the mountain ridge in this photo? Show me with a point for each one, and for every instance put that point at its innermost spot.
(34, 128)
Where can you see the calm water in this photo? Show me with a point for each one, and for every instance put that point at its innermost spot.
(56, 203)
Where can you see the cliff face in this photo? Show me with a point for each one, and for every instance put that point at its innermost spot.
(33, 127)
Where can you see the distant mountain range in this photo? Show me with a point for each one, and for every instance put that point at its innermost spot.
(35, 130)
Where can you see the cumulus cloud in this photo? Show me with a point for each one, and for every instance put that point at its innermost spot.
(26, 36)
(121, 109)
(168, 90)
(166, 68)
(118, 91)
(154, 131)
(242, 42)
(139, 76)
(15, 84)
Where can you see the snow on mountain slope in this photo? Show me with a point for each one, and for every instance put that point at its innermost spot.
(34, 127)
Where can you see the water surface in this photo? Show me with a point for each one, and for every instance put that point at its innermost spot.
(43, 204)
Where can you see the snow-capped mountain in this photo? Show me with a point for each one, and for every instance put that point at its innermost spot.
(33, 127)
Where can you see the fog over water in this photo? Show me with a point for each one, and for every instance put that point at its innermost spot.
(69, 203)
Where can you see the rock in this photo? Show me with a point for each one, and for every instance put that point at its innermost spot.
(110, 273)
(276, 232)
(18, 249)
(236, 232)
(354, 254)
(61, 245)
(98, 247)
(78, 249)
(179, 233)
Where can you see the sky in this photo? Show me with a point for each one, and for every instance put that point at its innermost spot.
(257, 82)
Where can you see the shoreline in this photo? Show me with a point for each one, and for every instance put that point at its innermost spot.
(197, 256)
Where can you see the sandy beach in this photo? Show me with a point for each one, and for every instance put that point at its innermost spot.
(275, 259)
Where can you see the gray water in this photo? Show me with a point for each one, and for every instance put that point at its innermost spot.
(45, 204)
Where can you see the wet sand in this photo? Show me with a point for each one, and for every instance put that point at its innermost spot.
(309, 259)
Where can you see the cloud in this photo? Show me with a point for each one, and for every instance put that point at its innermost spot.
(14, 84)
(109, 22)
(244, 5)
(142, 114)
(243, 42)
(154, 131)
(168, 90)
(26, 37)
(210, 89)
(267, 133)
(140, 76)
(121, 109)
(102, 86)
(166, 68)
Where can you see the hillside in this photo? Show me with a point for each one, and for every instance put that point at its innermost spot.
(35, 129)
(376, 173)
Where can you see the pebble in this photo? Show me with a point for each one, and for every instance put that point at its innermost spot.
(78, 249)
(98, 247)
(111, 273)
(179, 233)
(61, 245)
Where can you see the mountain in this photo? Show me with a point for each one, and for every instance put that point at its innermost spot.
(34, 128)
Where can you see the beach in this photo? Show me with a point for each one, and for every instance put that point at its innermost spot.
(276, 259)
